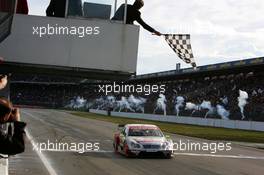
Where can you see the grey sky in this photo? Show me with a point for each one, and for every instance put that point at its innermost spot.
(221, 30)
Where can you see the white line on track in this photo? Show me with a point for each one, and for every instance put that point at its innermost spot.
(220, 156)
(42, 157)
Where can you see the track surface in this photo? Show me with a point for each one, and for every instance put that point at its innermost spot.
(58, 125)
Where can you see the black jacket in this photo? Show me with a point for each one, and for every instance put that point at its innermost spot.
(56, 8)
(132, 15)
(12, 138)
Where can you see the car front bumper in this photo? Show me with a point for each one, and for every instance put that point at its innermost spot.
(150, 151)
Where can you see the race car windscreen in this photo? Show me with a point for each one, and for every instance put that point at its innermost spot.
(144, 132)
(7, 8)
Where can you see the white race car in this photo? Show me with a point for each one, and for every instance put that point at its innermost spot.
(135, 139)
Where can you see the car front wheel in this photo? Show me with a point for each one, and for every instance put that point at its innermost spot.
(126, 150)
(168, 155)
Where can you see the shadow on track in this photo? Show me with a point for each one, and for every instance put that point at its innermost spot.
(112, 155)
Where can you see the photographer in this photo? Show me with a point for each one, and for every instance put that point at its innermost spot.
(11, 129)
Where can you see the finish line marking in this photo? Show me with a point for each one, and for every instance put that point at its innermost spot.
(220, 156)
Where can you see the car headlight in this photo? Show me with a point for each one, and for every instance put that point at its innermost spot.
(135, 145)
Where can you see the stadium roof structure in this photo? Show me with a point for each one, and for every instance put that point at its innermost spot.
(247, 65)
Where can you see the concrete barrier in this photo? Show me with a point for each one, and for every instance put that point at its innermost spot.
(3, 166)
(232, 124)
(98, 111)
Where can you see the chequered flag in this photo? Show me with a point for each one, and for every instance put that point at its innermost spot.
(181, 44)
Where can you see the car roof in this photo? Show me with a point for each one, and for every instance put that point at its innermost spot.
(141, 125)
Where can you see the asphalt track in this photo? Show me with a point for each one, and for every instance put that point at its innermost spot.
(60, 126)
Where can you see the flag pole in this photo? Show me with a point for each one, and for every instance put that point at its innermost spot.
(125, 12)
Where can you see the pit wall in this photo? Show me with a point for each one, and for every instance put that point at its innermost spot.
(219, 123)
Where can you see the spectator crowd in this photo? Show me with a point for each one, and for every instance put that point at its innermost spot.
(218, 90)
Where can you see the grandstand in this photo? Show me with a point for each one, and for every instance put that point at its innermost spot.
(218, 84)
